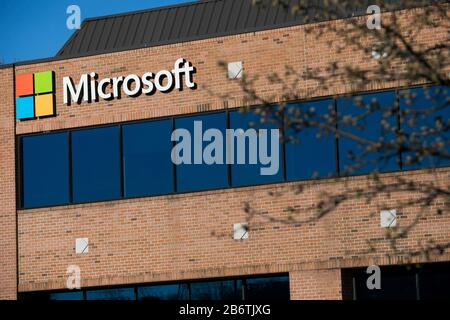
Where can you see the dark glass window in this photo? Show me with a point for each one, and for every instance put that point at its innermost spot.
(430, 281)
(164, 292)
(376, 121)
(45, 164)
(217, 290)
(310, 151)
(422, 110)
(70, 295)
(147, 167)
(49, 295)
(200, 174)
(96, 164)
(248, 173)
(397, 283)
(111, 294)
(434, 281)
(273, 288)
(147, 150)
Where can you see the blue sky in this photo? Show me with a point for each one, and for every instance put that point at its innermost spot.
(35, 29)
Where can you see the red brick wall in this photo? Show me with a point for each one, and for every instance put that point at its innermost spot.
(8, 248)
(188, 236)
(316, 284)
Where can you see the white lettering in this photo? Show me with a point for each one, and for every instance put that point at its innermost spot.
(75, 93)
(101, 89)
(126, 85)
(159, 80)
(163, 81)
(251, 144)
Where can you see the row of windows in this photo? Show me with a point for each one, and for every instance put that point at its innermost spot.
(134, 160)
(430, 281)
(270, 288)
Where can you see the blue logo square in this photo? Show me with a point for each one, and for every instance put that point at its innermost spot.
(25, 107)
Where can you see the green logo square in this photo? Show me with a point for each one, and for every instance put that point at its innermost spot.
(43, 82)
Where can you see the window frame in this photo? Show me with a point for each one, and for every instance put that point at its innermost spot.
(342, 158)
(122, 165)
(282, 149)
(406, 128)
(187, 282)
(120, 154)
(20, 171)
(228, 166)
(334, 138)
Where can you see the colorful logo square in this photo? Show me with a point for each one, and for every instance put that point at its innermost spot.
(44, 105)
(24, 85)
(25, 107)
(43, 82)
(35, 95)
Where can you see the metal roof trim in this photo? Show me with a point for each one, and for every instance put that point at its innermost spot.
(61, 56)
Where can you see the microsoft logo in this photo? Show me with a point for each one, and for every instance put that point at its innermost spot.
(35, 95)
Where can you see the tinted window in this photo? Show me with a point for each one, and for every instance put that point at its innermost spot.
(48, 295)
(111, 294)
(376, 121)
(249, 173)
(419, 122)
(96, 164)
(434, 281)
(147, 167)
(307, 154)
(275, 288)
(217, 290)
(164, 292)
(397, 283)
(71, 295)
(45, 161)
(199, 175)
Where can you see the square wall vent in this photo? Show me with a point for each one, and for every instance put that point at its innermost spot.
(235, 70)
(388, 218)
(240, 231)
(81, 245)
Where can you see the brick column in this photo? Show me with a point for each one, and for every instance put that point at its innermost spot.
(316, 284)
(8, 254)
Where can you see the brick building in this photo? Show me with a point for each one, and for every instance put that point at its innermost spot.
(79, 186)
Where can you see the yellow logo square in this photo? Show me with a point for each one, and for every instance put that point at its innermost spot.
(44, 105)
